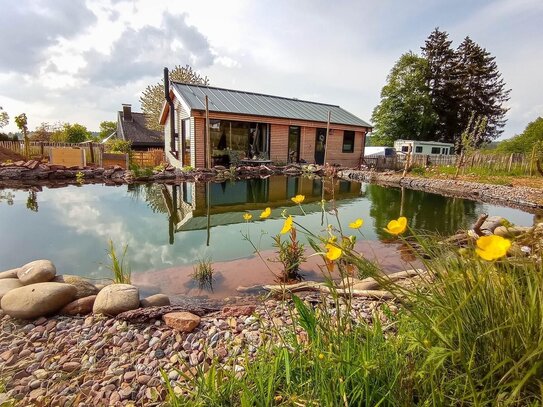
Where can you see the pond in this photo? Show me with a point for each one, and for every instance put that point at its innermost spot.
(169, 228)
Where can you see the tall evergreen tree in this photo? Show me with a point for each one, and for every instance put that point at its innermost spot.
(482, 90)
(443, 83)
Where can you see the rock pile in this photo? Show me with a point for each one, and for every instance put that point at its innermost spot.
(35, 290)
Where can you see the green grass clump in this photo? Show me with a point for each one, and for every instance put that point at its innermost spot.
(203, 273)
(121, 272)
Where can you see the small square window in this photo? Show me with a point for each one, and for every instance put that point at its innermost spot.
(436, 150)
(348, 141)
(418, 149)
(405, 149)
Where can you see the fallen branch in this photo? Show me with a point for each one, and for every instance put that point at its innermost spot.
(479, 223)
(145, 314)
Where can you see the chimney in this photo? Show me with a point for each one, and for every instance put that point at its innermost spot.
(127, 112)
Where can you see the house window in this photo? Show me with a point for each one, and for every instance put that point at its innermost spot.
(451, 150)
(348, 141)
(436, 150)
(418, 149)
(405, 149)
(444, 151)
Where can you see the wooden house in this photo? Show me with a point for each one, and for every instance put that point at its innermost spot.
(254, 126)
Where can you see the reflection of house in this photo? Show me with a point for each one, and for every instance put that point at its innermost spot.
(131, 127)
(424, 147)
(187, 203)
(245, 124)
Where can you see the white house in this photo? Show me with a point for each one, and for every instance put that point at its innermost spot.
(424, 147)
(379, 152)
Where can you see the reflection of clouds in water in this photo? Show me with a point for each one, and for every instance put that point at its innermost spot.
(87, 214)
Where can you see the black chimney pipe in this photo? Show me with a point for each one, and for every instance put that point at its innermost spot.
(172, 111)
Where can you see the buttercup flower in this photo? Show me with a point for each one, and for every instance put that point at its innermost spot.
(321, 356)
(265, 213)
(333, 252)
(492, 247)
(298, 199)
(287, 225)
(247, 216)
(357, 224)
(397, 226)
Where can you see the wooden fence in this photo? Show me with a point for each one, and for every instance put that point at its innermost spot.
(42, 149)
(517, 164)
(150, 158)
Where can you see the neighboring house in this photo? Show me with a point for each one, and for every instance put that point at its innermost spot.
(424, 147)
(252, 125)
(131, 127)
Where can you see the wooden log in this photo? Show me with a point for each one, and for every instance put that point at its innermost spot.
(479, 223)
(145, 314)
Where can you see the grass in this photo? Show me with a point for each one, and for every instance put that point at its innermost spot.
(469, 335)
(203, 273)
(121, 272)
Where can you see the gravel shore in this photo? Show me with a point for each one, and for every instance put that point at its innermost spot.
(99, 361)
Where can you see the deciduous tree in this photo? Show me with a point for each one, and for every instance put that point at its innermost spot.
(75, 133)
(524, 142)
(4, 118)
(106, 128)
(152, 97)
(405, 110)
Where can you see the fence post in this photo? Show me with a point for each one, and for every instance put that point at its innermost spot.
(41, 148)
(91, 152)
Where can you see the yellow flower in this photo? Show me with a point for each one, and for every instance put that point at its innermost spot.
(265, 213)
(492, 247)
(298, 199)
(397, 226)
(321, 356)
(426, 343)
(332, 239)
(357, 224)
(333, 252)
(247, 216)
(287, 225)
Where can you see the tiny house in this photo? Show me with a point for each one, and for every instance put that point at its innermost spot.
(424, 147)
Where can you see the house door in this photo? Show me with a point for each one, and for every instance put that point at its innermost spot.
(320, 146)
(293, 144)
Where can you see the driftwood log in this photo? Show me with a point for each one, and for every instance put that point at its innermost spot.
(145, 314)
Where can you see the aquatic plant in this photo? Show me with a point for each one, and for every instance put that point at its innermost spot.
(203, 273)
(79, 177)
(290, 253)
(121, 272)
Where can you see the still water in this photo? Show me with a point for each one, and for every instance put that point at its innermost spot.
(167, 229)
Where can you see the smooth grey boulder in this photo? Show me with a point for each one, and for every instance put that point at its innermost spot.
(84, 288)
(38, 271)
(9, 273)
(116, 298)
(157, 300)
(8, 284)
(37, 300)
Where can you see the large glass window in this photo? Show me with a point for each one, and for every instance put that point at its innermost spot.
(436, 150)
(248, 139)
(418, 149)
(348, 141)
(294, 144)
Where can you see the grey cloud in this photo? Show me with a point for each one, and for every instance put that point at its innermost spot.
(143, 52)
(30, 27)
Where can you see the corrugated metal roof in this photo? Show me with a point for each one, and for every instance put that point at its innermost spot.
(257, 104)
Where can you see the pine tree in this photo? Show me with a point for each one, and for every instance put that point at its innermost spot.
(482, 91)
(443, 85)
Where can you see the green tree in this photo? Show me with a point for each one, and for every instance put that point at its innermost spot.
(152, 97)
(22, 123)
(405, 110)
(482, 91)
(106, 128)
(524, 142)
(4, 118)
(75, 133)
(443, 85)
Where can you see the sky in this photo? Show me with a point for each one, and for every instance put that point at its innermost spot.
(78, 61)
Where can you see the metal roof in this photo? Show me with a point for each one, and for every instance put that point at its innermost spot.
(257, 104)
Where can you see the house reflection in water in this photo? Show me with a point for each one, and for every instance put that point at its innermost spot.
(197, 206)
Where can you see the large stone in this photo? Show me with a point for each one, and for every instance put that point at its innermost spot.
(157, 300)
(84, 288)
(9, 273)
(512, 231)
(116, 298)
(182, 321)
(38, 271)
(237, 310)
(36, 300)
(81, 306)
(8, 284)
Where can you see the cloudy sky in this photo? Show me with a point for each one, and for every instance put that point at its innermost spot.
(78, 61)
